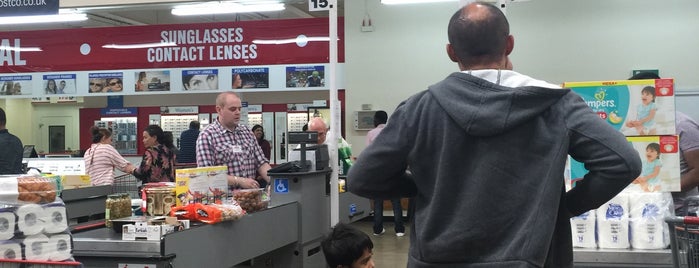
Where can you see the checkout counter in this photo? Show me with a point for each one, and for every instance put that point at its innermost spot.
(287, 234)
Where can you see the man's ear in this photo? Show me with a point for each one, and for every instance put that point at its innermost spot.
(451, 53)
(510, 45)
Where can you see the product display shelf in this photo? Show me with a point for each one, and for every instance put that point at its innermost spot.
(208, 245)
(638, 258)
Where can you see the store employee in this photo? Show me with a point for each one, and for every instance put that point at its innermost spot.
(228, 143)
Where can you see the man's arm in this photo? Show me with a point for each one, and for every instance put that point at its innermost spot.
(205, 151)
(690, 179)
(611, 161)
(262, 170)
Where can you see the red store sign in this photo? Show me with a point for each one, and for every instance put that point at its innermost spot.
(270, 42)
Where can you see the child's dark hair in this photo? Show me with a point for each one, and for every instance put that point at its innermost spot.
(650, 90)
(99, 133)
(655, 147)
(345, 245)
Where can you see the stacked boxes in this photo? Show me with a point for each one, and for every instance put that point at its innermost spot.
(644, 111)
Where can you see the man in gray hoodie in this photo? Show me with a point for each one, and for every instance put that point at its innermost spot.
(487, 148)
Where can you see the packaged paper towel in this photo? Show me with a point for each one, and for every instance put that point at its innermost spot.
(55, 218)
(583, 230)
(37, 248)
(60, 248)
(613, 223)
(8, 220)
(10, 250)
(30, 219)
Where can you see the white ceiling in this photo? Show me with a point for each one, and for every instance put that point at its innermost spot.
(159, 13)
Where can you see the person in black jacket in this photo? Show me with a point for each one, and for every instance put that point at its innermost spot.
(486, 148)
(12, 149)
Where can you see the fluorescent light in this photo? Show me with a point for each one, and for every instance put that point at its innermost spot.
(290, 40)
(30, 49)
(63, 15)
(144, 45)
(398, 2)
(223, 8)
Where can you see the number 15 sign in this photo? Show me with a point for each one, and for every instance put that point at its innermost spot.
(321, 5)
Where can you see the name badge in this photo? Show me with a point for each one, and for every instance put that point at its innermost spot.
(237, 149)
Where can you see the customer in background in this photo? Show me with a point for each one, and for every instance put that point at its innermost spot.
(226, 142)
(101, 158)
(317, 124)
(12, 149)
(264, 144)
(188, 143)
(344, 152)
(688, 130)
(380, 119)
(347, 247)
(158, 163)
(487, 149)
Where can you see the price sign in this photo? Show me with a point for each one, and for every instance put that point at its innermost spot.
(321, 5)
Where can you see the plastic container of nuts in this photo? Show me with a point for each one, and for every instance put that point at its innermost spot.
(252, 200)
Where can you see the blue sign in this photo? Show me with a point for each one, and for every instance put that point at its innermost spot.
(281, 185)
(119, 111)
(352, 209)
(28, 7)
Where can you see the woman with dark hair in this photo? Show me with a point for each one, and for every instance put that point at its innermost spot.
(158, 163)
(51, 87)
(170, 144)
(264, 144)
(101, 158)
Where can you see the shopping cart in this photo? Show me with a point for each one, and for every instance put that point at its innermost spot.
(5, 263)
(684, 239)
(126, 183)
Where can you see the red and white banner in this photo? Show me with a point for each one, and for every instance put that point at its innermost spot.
(247, 43)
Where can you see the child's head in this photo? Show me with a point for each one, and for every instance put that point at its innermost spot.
(648, 91)
(653, 151)
(347, 247)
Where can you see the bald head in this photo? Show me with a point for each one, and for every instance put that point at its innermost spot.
(479, 36)
(317, 124)
(222, 98)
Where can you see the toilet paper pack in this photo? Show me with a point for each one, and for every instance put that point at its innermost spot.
(624, 103)
(55, 218)
(583, 230)
(647, 214)
(10, 250)
(60, 247)
(613, 223)
(30, 219)
(37, 248)
(8, 221)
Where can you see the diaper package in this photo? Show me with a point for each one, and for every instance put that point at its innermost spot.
(634, 107)
(660, 160)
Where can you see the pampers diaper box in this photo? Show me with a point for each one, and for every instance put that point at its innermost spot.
(660, 161)
(634, 107)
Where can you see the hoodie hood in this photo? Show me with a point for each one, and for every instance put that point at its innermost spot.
(482, 108)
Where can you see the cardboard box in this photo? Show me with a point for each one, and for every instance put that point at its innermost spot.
(75, 181)
(142, 230)
(206, 185)
(668, 161)
(622, 102)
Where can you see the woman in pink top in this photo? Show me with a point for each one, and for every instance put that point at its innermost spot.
(101, 158)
